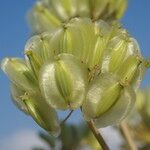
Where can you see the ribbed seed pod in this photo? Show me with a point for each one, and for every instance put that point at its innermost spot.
(63, 82)
(119, 111)
(107, 101)
(19, 73)
(38, 51)
(35, 106)
(47, 15)
(42, 113)
(124, 59)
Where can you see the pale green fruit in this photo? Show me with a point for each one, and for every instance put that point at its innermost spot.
(42, 113)
(36, 106)
(119, 111)
(63, 82)
(107, 101)
(38, 51)
(19, 74)
(124, 59)
(47, 15)
(39, 47)
(129, 68)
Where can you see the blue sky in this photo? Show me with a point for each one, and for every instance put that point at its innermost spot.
(14, 33)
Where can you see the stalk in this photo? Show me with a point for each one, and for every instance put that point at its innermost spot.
(126, 133)
(97, 135)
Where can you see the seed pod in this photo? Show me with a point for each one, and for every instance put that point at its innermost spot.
(87, 34)
(119, 111)
(39, 46)
(107, 101)
(42, 113)
(38, 51)
(129, 68)
(63, 82)
(118, 51)
(48, 15)
(124, 59)
(19, 73)
(119, 48)
(47, 18)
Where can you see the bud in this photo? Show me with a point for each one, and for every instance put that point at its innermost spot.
(63, 82)
(47, 15)
(107, 101)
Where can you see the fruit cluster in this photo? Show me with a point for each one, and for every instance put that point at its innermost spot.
(80, 61)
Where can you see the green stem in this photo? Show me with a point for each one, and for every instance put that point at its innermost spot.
(97, 135)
